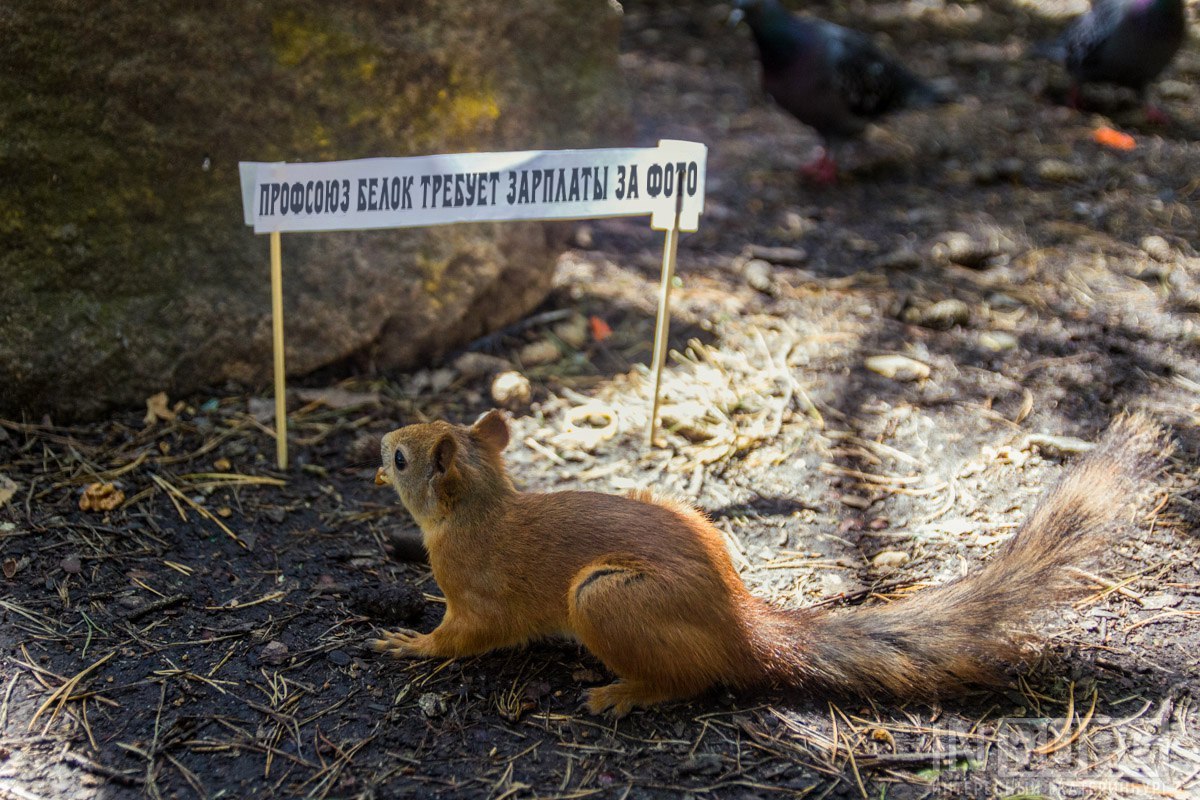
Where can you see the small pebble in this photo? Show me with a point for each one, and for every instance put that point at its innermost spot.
(942, 315)
(440, 379)
(833, 584)
(8, 487)
(274, 653)
(339, 657)
(1009, 168)
(997, 341)
(584, 239)
(757, 274)
(890, 559)
(261, 408)
(783, 256)
(1002, 301)
(1157, 602)
(475, 365)
(573, 331)
(961, 248)
(1154, 272)
(902, 258)
(1157, 248)
(71, 565)
(1058, 171)
(1175, 90)
(1186, 299)
(984, 173)
(700, 764)
(327, 583)
(432, 704)
(897, 367)
(542, 351)
(795, 223)
(650, 36)
(536, 690)
(512, 390)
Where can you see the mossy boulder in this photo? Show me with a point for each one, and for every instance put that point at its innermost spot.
(125, 267)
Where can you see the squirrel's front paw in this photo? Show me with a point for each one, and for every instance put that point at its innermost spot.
(400, 644)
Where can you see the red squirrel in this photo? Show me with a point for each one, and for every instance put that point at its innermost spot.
(647, 585)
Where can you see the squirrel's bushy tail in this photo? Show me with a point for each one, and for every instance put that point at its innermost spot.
(964, 632)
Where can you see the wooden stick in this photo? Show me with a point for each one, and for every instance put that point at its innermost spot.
(281, 453)
(663, 324)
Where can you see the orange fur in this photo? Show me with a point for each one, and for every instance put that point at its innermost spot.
(648, 586)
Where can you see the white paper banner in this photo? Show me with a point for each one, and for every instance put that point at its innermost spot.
(478, 187)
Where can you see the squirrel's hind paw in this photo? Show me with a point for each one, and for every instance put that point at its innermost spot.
(622, 697)
(398, 644)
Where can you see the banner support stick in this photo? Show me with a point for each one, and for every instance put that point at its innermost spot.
(319, 196)
(663, 323)
(281, 451)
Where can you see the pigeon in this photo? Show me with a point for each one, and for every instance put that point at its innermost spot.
(831, 78)
(1122, 42)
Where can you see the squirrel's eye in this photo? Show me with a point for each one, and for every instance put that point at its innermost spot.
(401, 461)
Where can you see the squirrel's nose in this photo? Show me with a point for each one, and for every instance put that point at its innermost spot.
(380, 477)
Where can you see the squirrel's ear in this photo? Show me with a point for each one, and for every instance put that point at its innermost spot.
(492, 430)
(443, 454)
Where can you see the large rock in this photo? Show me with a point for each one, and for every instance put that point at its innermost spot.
(125, 268)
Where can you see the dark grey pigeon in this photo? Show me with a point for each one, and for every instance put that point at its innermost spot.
(831, 78)
(1123, 42)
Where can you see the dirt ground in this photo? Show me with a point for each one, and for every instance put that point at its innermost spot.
(205, 637)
